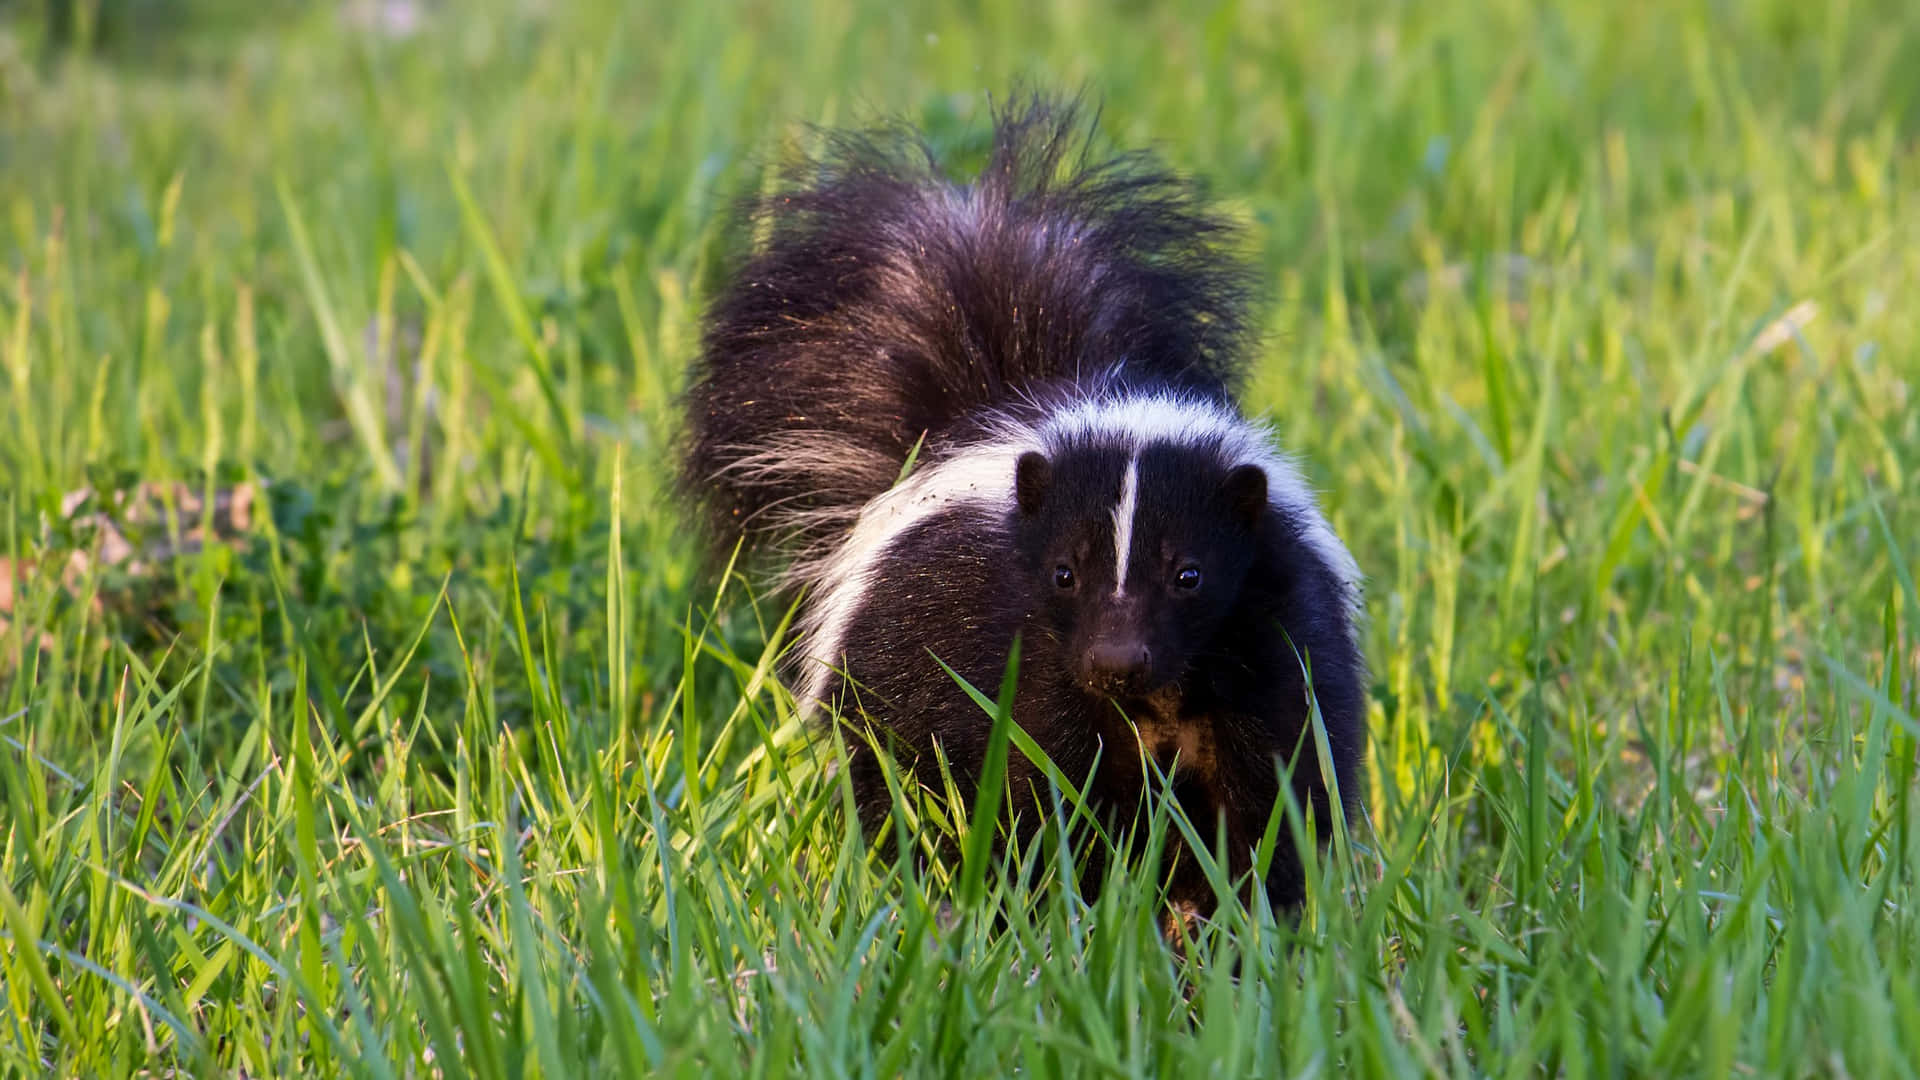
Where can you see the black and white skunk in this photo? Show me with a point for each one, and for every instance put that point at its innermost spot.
(1049, 354)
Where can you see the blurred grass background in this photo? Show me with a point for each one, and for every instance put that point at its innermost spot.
(1593, 322)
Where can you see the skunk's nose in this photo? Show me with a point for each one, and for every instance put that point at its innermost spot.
(1117, 665)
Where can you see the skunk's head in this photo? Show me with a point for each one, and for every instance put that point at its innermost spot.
(1135, 555)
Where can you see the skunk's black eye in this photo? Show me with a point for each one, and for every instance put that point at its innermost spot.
(1187, 577)
(1063, 577)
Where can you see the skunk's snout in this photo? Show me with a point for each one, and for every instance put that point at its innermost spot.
(1118, 666)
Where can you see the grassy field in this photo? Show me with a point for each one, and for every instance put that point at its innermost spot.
(385, 724)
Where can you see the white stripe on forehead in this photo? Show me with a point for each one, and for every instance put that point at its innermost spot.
(978, 476)
(1123, 523)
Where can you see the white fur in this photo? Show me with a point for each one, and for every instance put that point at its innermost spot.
(979, 476)
(1123, 524)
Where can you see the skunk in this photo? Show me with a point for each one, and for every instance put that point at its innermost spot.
(960, 412)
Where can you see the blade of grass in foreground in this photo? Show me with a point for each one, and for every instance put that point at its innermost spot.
(984, 823)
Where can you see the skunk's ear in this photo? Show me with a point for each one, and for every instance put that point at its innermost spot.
(1032, 476)
(1245, 490)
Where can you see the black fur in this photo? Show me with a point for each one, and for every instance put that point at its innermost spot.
(889, 302)
(891, 307)
(1223, 689)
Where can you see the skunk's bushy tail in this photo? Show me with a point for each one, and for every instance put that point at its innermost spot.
(887, 302)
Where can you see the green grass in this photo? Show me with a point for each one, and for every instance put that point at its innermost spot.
(1595, 323)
